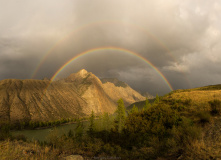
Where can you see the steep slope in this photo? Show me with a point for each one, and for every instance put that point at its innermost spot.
(76, 95)
(90, 88)
(117, 89)
(25, 100)
(195, 105)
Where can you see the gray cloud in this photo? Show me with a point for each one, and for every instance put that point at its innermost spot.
(181, 38)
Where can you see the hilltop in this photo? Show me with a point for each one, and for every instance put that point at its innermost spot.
(196, 97)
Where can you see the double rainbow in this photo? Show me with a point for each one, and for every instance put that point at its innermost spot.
(89, 25)
(112, 49)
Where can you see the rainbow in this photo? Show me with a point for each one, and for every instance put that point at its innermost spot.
(113, 49)
(86, 26)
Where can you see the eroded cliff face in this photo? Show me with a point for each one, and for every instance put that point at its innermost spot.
(25, 100)
(91, 89)
(74, 96)
(126, 93)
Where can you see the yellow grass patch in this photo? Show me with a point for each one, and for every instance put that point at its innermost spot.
(198, 97)
(23, 150)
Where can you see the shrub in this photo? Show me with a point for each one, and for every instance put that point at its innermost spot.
(215, 106)
(4, 130)
(187, 102)
(108, 149)
(204, 117)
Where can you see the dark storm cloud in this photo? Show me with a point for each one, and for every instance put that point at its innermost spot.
(181, 38)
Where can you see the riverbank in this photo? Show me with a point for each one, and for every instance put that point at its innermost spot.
(42, 134)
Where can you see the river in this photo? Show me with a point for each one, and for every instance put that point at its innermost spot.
(42, 134)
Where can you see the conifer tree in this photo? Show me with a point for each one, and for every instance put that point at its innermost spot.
(106, 121)
(147, 104)
(157, 99)
(134, 109)
(79, 130)
(91, 128)
(121, 115)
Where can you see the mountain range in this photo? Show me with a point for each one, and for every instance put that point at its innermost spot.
(74, 96)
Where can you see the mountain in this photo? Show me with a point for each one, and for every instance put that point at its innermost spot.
(74, 96)
(117, 89)
(148, 95)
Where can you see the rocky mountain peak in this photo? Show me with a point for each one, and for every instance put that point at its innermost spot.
(83, 73)
(79, 76)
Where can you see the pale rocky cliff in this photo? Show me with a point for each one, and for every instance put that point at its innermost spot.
(116, 89)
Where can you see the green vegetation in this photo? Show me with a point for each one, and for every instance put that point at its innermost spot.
(215, 106)
(159, 131)
(42, 124)
(141, 105)
(157, 99)
(4, 130)
(147, 105)
(120, 115)
(134, 110)
(204, 117)
(91, 129)
(176, 125)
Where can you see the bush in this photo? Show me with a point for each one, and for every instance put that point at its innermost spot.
(4, 130)
(215, 107)
(204, 117)
(187, 102)
(108, 149)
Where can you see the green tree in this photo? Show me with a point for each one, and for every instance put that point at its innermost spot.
(147, 104)
(157, 99)
(91, 128)
(79, 130)
(134, 109)
(106, 121)
(120, 115)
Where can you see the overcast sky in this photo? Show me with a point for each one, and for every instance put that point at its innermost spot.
(182, 38)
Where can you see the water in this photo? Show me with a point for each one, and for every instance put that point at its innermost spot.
(42, 134)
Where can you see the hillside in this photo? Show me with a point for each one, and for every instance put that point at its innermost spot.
(196, 97)
(200, 107)
(74, 96)
(203, 106)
